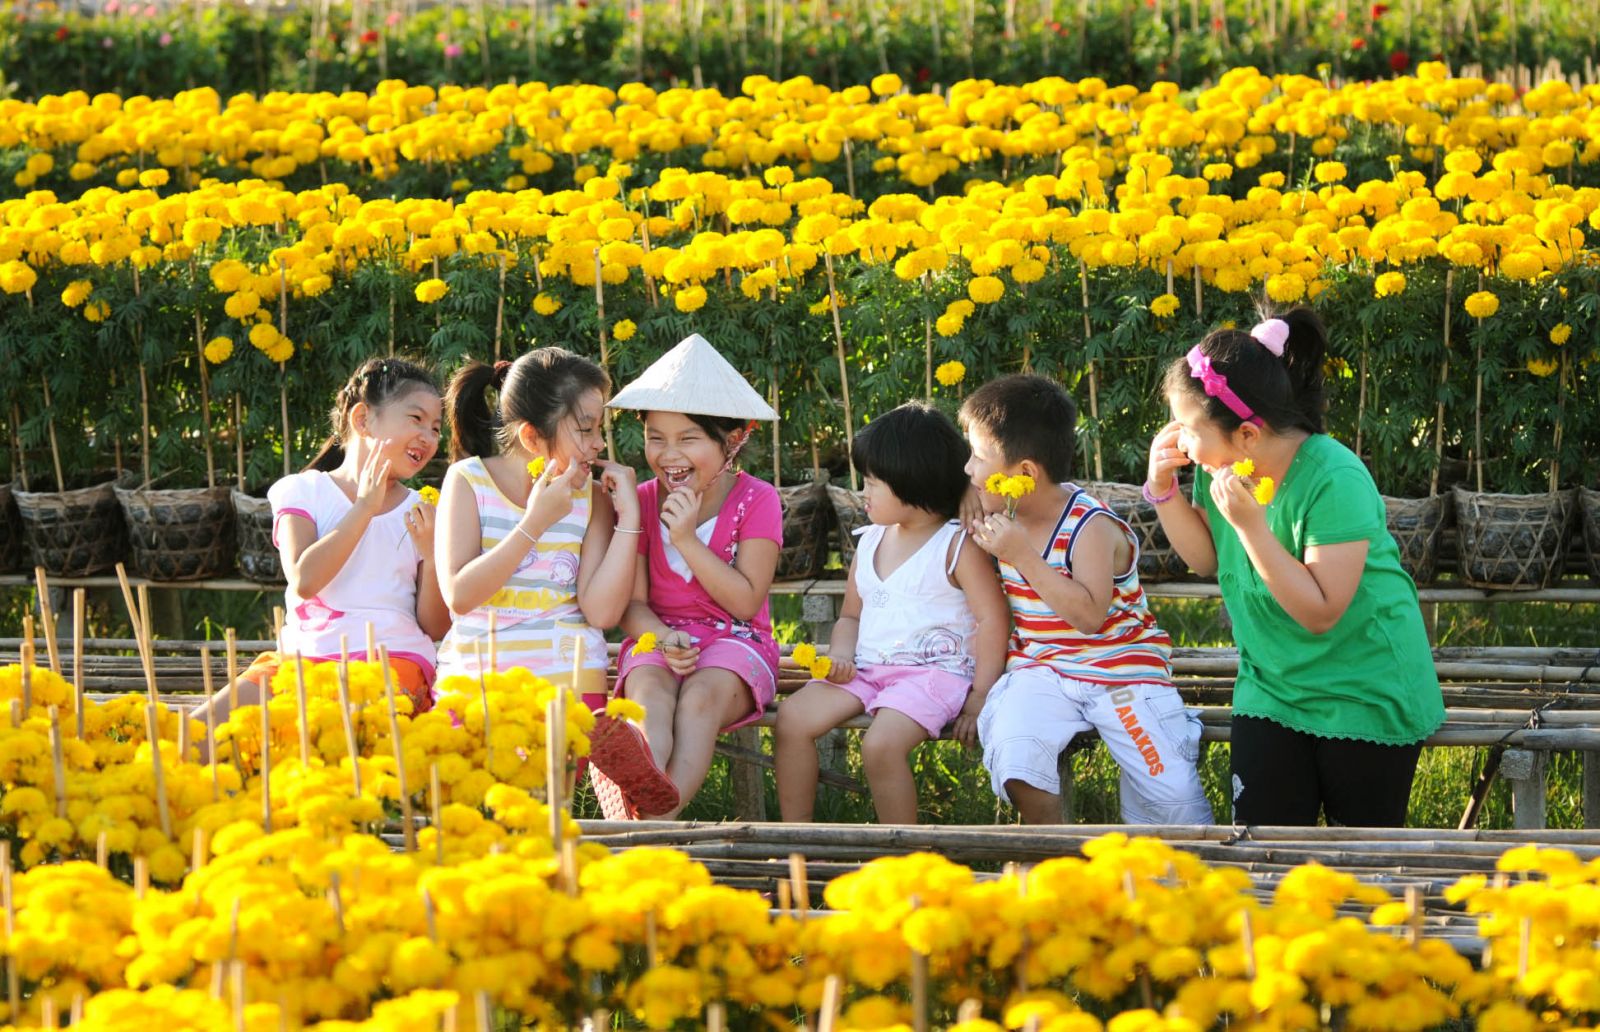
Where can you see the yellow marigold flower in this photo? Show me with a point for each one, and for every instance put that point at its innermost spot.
(17, 277)
(127, 177)
(1244, 468)
(1164, 305)
(1218, 170)
(77, 293)
(690, 299)
(151, 178)
(1286, 287)
(429, 494)
(646, 643)
(624, 709)
(1541, 366)
(244, 303)
(1028, 270)
(536, 467)
(1265, 489)
(1482, 304)
(1560, 333)
(624, 329)
(219, 350)
(263, 335)
(1389, 284)
(281, 350)
(1015, 487)
(995, 484)
(544, 304)
(950, 373)
(886, 84)
(804, 655)
(1329, 171)
(821, 666)
(96, 311)
(431, 290)
(949, 325)
(778, 175)
(986, 290)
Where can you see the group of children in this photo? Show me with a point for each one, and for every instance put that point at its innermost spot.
(990, 598)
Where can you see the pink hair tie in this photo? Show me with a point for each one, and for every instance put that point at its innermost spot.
(1216, 385)
(1273, 335)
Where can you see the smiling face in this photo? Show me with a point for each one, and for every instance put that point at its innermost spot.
(579, 435)
(681, 452)
(1207, 445)
(409, 423)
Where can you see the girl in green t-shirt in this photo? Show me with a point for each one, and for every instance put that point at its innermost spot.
(1336, 688)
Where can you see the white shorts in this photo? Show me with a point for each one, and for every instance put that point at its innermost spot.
(1033, 713)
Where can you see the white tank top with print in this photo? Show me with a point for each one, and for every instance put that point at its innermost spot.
(915, 616)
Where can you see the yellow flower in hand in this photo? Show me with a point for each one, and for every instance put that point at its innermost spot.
(430, 495)
(646, 643)
(996, 484)
(1244, 468)
(820, 667)
(1017, 486)
(536, 468)
(805, 654)
(1265, 489)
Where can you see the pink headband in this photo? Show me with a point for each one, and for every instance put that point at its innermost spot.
(1216, 386)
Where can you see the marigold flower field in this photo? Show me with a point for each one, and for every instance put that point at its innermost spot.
(198, 913)
(1088, 229)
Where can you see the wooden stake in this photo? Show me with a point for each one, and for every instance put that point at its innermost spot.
(79, 614)
(1444, 377)
(55, 450)
(211, 721)
(13, 986)
(25, 654)
(483, 694)
(197, 849)
(399, 756)
(798, 886)
(141, 877)
(494, 656)
(266, 759)
(832, 991)
(47, 620)
(1247, 940)
(102, 850)
(345, 715)
(300, 706)
(1094, 376)
(144, 425)
(238, 441)
(153, 732)
(336, 900)
(500, 308)
(844, 372)
(482, 1006)
(605, 352)
(145, 659)
(205, 394)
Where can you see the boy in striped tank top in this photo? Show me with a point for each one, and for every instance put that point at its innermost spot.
(1086, 653)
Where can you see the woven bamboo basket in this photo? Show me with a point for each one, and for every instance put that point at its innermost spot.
(1513, 542)
(258, 556)
(1158, 561)
(807, 521)
(1589, 504)
(76, 532)
(850, 515)
(13, 551)
(1417, 526)
(179, 535)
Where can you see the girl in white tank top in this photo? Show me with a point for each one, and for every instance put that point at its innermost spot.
(923, 621)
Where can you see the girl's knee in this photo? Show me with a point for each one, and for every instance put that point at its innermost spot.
(794, 724)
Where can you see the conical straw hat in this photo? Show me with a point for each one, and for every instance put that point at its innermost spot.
(694, 379)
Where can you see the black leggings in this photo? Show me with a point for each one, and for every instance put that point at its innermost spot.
(1281, 776)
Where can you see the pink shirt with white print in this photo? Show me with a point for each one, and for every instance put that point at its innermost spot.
(376, 585)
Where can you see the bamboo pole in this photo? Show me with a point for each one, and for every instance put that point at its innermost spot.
(58, 767)
(211, 723)
(238, 441)
(434, 814)
(79, 606)
(605, 352)
(1444, 377)
(500, 308)
(300, 708)
(266, 759)
(1094, 376)
(346, 717)
(205, 396)
(47, 616)
(144, 427)
(399, 756)
(13, 985)
(844, 372)
(50, 425)
(153, 732)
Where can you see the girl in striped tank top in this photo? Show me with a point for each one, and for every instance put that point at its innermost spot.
(1086, 653)
(549, 559)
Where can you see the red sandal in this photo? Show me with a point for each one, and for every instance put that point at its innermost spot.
(618, 750)
(613, 804)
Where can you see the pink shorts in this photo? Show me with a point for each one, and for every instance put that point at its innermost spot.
(931, 696)
(732, 654)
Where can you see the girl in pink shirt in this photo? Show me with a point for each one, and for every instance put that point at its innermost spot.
(707, 556)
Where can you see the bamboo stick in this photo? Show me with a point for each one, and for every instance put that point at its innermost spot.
(1094, 376)
(266, 758)
(300, 708)
(844, 373)
(79, 607)
(434, 813)
(50, 425)
(205, 395)
(153, 732)
(1444, 378)
(13, 985)
(211, 723)
(58, 767)
(605, 352)
(47, 616)
(346, 717)
(399, 755)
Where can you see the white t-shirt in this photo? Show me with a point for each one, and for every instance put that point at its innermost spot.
(377, 585)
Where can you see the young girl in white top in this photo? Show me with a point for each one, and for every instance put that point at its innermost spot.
(923, 620)
(356, 543)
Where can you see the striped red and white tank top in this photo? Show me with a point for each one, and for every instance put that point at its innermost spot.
(1129, 648)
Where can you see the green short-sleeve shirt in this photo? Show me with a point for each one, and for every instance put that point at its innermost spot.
(1371, 676)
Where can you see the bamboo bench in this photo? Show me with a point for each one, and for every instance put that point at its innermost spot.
(1522, 702)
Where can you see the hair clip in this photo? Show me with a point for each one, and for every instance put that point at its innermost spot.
(1272, 334)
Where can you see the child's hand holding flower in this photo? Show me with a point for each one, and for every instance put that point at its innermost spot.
(646, 643)
(820, 667)
(549, 500)
(1236, 498)
(429, 495)
(1012, 489)
(1002, 537)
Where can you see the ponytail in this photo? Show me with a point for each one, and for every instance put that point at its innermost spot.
(1274, 371)
(474, 427)
(540, 389)
(375, 383)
